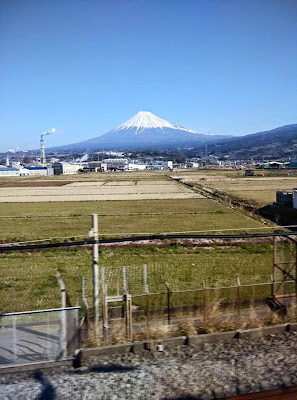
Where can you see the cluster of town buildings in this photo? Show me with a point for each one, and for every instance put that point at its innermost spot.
(67, 168)
(121, 162)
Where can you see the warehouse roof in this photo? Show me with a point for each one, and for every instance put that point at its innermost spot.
(8, 169)
(37, 167)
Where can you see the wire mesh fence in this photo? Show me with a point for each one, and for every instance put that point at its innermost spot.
(163, 293)
(185, 312)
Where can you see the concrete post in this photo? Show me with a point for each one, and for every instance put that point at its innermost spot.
(63, 337)
(238, 302)
(95, 272)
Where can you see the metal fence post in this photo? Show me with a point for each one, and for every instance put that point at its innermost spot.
(105, 314)
(148, 315)
(145, 278)
(128, 319)
(204, 303)
(168, 302)
(124, 280)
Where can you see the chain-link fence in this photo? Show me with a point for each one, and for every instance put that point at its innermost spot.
(168, 313)
(34, 336)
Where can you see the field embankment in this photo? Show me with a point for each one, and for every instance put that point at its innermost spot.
(251, 194)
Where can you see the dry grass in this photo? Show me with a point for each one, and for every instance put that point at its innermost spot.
(88, 187)
(291, 313)
(83, 191)
(253, 321)
(160, 330)
(186, 327)
(218, 320)
(259, 189)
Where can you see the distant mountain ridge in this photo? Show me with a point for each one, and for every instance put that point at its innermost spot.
(144, 131)
(276, 143)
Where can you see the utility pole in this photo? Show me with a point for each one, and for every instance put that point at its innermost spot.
(95, 272)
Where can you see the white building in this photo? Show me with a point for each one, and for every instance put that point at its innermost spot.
(23, 171)
(63, 168)
(116, 164)
(135, 167)
(161, 165)
(193, 164)
(167, 164)
(37, 170)
(9, 171)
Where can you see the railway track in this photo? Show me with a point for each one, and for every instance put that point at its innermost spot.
(283, 393)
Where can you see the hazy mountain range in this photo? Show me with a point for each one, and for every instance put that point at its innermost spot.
(276, 143)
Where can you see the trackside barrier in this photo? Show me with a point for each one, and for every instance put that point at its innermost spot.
(37, 336)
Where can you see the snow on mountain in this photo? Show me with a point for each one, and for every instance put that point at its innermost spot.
(145, 131)
(147, 120)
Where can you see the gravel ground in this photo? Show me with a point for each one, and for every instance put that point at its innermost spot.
(179, 372)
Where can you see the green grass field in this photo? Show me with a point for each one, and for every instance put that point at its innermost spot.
(29, 221)
(28, 279)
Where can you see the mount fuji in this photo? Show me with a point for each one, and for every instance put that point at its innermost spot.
(145, 131)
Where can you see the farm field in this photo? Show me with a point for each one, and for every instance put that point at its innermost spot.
(99, 191)
(28, 279)
(260, 190)
(147, 204)
(30, 221)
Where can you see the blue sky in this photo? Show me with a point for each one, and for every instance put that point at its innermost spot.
(84, 67)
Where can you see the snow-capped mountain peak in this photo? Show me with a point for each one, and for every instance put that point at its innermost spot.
(147, 120)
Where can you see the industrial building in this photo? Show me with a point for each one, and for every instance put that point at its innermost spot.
(9, 171)
(39, 170)
(19, 170)
(64, 168)
(279, 165)
(135, 167)
(96, 166)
